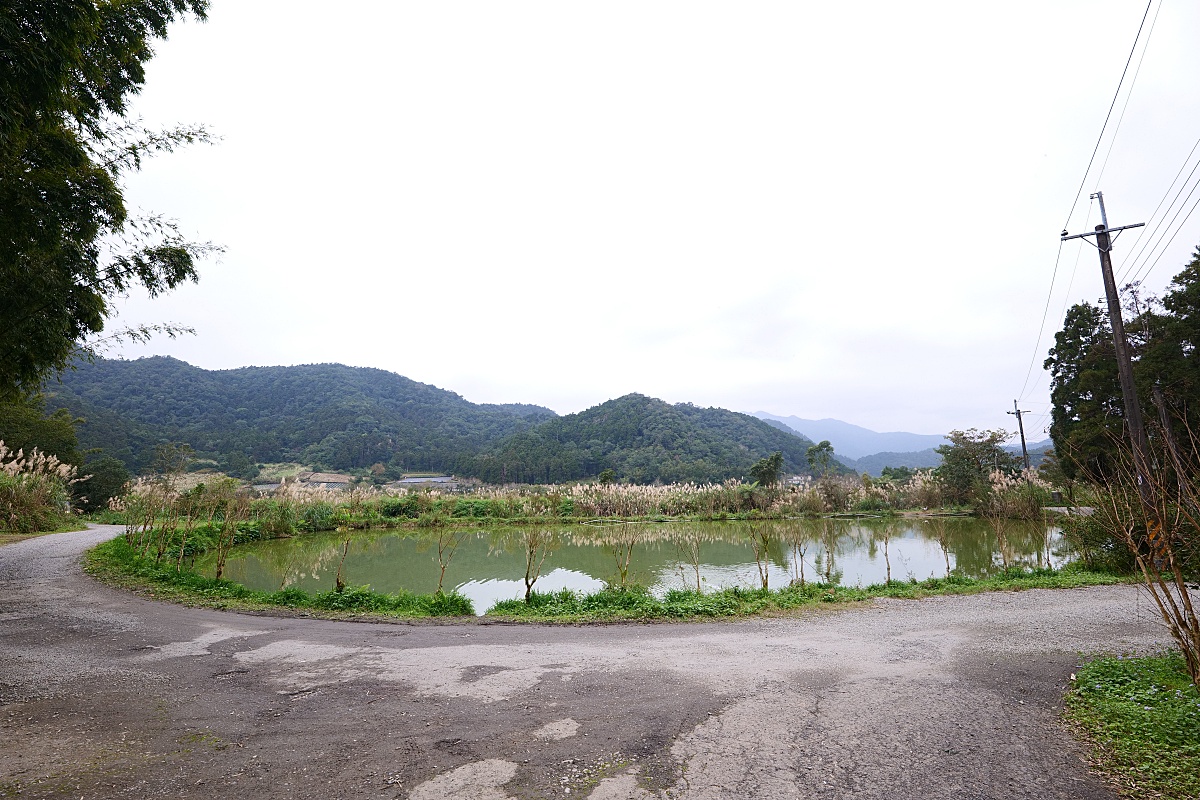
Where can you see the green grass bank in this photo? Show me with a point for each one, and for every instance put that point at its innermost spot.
(636, 603)
(117, 563)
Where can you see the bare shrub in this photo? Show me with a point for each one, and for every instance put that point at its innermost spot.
(759, 537)
(447, 546)
(1160, 526)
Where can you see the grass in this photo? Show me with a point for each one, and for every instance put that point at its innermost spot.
(636, 603)
(116, 563)
(1142, 717)
(11, 537)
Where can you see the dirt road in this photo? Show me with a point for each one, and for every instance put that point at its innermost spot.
(107, 695)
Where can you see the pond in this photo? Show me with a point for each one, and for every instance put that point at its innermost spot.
(488, 565)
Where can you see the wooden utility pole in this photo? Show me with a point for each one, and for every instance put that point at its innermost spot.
(1021, 427)
(1133, 409)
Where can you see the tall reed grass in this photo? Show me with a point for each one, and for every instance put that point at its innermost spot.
(35, 491)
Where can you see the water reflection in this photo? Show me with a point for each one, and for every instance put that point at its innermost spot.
(491, 565)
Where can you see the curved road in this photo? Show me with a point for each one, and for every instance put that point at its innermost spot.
(104, 694)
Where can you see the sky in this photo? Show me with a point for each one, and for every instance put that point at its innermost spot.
(846, 210)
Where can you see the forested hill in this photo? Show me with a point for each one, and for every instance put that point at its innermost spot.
(336, 417)
(328, 415)
(642, 440)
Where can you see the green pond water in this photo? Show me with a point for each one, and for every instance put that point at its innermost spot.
(489, 565)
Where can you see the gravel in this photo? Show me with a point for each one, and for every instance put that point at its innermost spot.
(106, 694)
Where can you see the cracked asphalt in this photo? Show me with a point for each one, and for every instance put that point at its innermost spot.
(106, 694)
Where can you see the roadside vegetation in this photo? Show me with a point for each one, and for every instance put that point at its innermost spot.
(1141, 714)
(637, 603)
(1142, 718)
(1147, 500)
(35, 491)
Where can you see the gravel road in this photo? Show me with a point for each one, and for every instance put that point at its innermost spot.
(104, 694)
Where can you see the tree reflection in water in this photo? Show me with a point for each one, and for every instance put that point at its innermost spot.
(660, 556)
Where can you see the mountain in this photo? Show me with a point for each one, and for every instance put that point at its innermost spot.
(1037, 450)
(345, 418)
(324, 414)
(642, 440)
(854, 441)
(874, 463)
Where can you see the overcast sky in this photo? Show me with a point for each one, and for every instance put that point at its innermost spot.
(845, 210)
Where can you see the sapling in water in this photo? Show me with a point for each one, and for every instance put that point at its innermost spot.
(448, 543)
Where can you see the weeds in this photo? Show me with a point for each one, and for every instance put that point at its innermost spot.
(117, 562)
(637, 603)
(1142, 716)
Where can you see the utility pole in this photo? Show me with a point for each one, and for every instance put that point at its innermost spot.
(1021, 427)
(1133, 410)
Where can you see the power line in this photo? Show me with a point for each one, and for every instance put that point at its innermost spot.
(1165, 229)
(1045, 312)
(1108, 116)
(1042, 330)
(1132, 257)
(1148, 270)
(1083, 181)
(1128, 95)
(1158, 225)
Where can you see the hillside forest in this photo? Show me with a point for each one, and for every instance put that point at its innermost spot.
(335, 417)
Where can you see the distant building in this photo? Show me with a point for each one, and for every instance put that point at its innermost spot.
(324, 480)
(425, 482)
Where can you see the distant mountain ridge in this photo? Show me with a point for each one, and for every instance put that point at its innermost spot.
(346, 418)
(875, 463)
(327, 414)
(848, 440)
(855, 441)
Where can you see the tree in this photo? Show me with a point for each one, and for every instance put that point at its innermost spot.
(104, 479)
(766, 471)
(969, 459)
(1169, 357)
(1087, 412)
(24, 425)
(820, 458)
(896, 474)
(68, 245)
(1053, 471)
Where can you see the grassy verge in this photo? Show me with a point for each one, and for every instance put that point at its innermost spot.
(1142, 717)
(116, 563)
(636, 603)
(10, 537)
